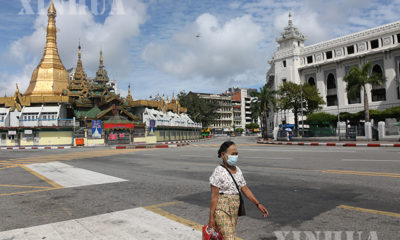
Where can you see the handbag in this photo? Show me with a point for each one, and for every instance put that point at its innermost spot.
(209, 233)
(242, 210)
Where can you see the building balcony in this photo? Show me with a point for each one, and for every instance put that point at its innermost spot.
(48, 123)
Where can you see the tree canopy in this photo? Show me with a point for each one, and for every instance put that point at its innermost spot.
(291, 96)
(358, 78)
(199, 109)
(260, 107)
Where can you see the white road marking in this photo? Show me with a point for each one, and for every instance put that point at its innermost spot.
(369, 160)
(132, 224)
(69, 176)
(312, 150)
(271, 158)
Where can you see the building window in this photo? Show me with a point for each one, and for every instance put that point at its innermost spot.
(309, 59)
(398, 92)
(331, 82)
(350, 50)
(355, 99)
(311, 81)
(284, 63)
(374, 44)
(329, 55)
(398, 38)
(378, 93)
(331, 100)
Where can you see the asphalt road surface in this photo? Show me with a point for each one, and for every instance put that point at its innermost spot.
(101, 193)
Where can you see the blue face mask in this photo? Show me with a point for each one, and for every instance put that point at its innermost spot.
(232, 160)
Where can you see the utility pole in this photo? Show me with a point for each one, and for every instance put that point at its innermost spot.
(302, 114)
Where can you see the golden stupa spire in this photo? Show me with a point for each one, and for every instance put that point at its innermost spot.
(50, 77)
(101, 59)
(129, 89)
(79, 71)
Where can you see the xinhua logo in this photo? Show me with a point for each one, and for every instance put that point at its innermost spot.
(325, 235)
(96, 7)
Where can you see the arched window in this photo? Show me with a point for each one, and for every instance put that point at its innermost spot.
(377, 69)
(311, 81)
(331, 81)
(378, 93)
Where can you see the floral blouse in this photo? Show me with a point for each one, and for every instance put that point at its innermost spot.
(223, 180)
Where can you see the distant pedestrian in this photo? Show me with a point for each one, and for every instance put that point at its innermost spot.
(225, 197)
(287, 135)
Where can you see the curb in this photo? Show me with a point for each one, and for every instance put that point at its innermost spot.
(332, 144)
(153, 146)
(186, 141)
(35, 148)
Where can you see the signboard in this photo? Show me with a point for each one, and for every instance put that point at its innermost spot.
(152, 127)
(96, 128)
(119, 125)
(28, 132)
(11, 133)
(113, 136)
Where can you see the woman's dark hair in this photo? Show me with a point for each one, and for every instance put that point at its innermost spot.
(224, 147)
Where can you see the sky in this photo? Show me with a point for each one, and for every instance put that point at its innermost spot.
(166, 46)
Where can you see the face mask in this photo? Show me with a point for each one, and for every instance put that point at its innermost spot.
(232, 160)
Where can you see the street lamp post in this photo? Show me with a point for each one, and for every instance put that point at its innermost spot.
(302, 114)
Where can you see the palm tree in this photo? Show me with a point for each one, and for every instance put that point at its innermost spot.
(260, 107)
(357, 80)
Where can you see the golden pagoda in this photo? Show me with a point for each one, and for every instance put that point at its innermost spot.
(50, 77)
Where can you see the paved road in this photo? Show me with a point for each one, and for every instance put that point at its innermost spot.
(164, 193)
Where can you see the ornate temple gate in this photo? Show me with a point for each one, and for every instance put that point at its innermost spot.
(118, 133)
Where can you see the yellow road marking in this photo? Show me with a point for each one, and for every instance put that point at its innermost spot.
(164, 204)
(33, 191)
(10, 166)
(22, 186)
(156, 209)
(55, 185)
(390, 214)
(374, 174)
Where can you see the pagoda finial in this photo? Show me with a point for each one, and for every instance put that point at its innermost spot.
(129, 89)
(79, 50)
(173, 95)
(101, 59)
(16, 86)
(290, 19)
(52, 9)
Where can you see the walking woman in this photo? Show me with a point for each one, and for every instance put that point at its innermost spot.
(225, 200)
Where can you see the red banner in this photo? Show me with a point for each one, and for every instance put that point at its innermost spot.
(119, 125)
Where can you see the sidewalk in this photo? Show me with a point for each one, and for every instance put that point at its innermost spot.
(332, 144)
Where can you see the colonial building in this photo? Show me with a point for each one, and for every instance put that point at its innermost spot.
(234, 111)
(325, 65)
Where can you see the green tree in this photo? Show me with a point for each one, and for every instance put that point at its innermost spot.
(260, 107)
(358, 78)
(291, 96)
(199, 109)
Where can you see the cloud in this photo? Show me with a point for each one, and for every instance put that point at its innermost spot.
(209, 49)
(22, 79)
(76, 23)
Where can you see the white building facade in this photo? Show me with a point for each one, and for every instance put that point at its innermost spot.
(325, 65)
